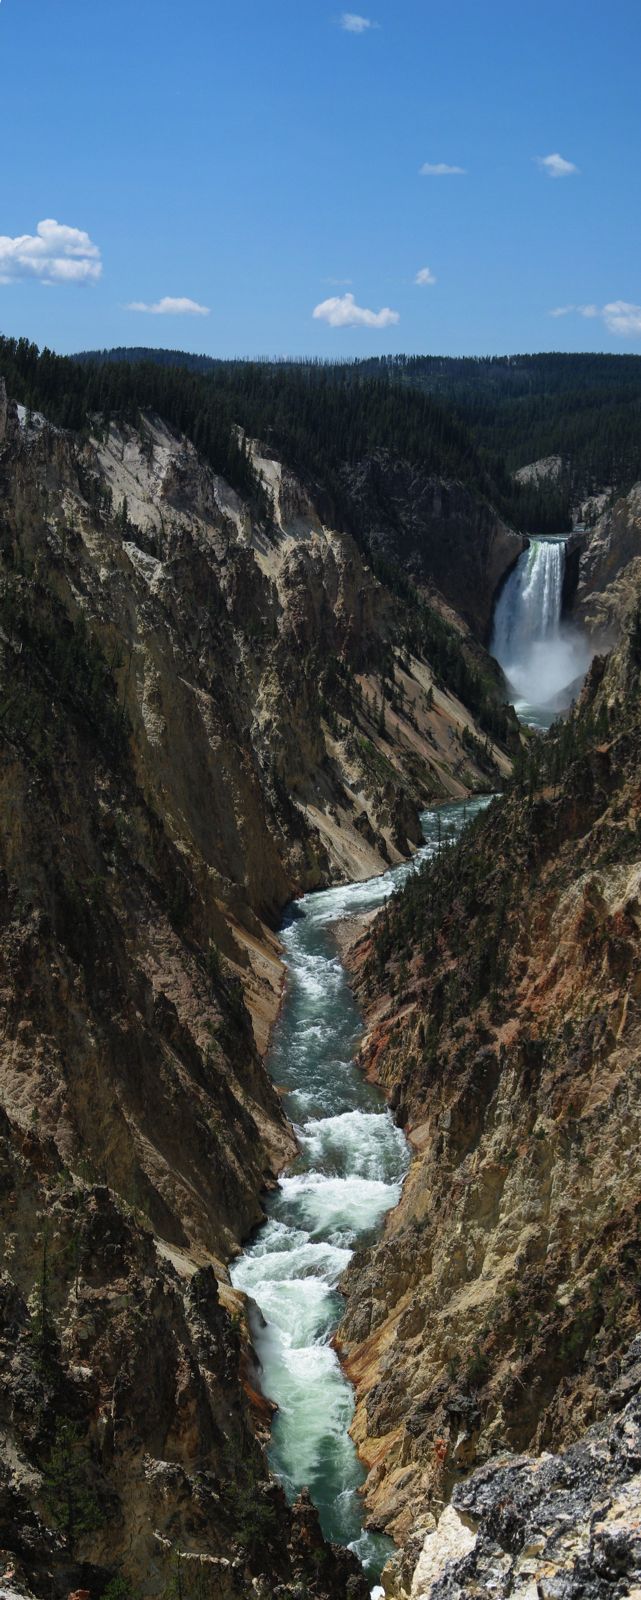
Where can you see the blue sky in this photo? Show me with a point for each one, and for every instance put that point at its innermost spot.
(261, 158)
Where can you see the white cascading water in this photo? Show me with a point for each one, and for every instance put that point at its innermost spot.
(542, 656)
(348, 1174)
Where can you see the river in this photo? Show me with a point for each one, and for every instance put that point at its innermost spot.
(334, 1198)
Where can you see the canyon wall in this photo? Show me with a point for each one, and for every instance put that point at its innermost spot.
(501, 995)
(200, 716)
(610, 568)
(438, 531)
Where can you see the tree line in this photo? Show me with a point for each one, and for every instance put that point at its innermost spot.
(472, 420)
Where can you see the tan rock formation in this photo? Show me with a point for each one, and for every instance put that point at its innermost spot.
(191, 731)
(610, 569)
(502, 1001)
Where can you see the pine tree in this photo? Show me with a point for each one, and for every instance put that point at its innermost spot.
(72, 1505)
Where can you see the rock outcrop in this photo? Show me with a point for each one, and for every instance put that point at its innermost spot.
(610, 569)
(563, 1526)
(438, 531)
(502, 998)
(548, 469)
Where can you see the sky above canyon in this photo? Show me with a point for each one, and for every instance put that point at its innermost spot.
(268, 177)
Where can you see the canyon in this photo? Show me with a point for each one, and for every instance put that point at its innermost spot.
(215, 702)
(492, 1319)
(202, 715)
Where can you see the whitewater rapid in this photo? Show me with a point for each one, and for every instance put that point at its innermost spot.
(334, 1198)
(543, 657)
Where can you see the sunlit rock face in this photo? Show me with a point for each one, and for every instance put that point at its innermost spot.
(566, 1525)
(610, 569)
(190, 734)
(503, 1023)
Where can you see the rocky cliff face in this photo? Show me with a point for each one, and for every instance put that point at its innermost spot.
(199, 716)
(438, 531)
(226, 638)
(502, 997)
(128, 1455)
(610, 568)
(564, 1526)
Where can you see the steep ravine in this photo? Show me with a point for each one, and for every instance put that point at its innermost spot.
(501, 997)
(198, 719)
(205, 712)
(348, 1174)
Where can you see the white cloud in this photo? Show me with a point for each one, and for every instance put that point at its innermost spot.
(338, 283)
(556, 166)
(620, 316)
(341, 311)
(170, 307)
(424, 277)
(54, 254)
(352, 23)
(440, 169)
(580, 311)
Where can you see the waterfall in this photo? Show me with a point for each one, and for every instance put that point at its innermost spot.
(542, 656)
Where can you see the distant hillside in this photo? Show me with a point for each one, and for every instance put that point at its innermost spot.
(451, 377)
(584, 407)
(319, 418)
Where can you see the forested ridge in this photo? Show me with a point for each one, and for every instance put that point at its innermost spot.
(585, 408)
(319, 417)
(476, 420)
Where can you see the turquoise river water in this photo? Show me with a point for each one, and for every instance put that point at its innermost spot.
(333, 1199)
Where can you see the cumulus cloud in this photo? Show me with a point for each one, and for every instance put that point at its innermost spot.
(170, 306)
(440, 169)
(424, 277)
(352, 23)
(54, 254)
(556, 166)
(341, 311)
(619, 316)
(622, 317)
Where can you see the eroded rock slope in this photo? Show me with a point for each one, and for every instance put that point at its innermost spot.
(610, 568)
(561, 1526)
(438, 530)
(502, 993)
(200, 715)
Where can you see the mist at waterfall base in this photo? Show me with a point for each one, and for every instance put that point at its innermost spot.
(543, 657)
(332, 1200)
